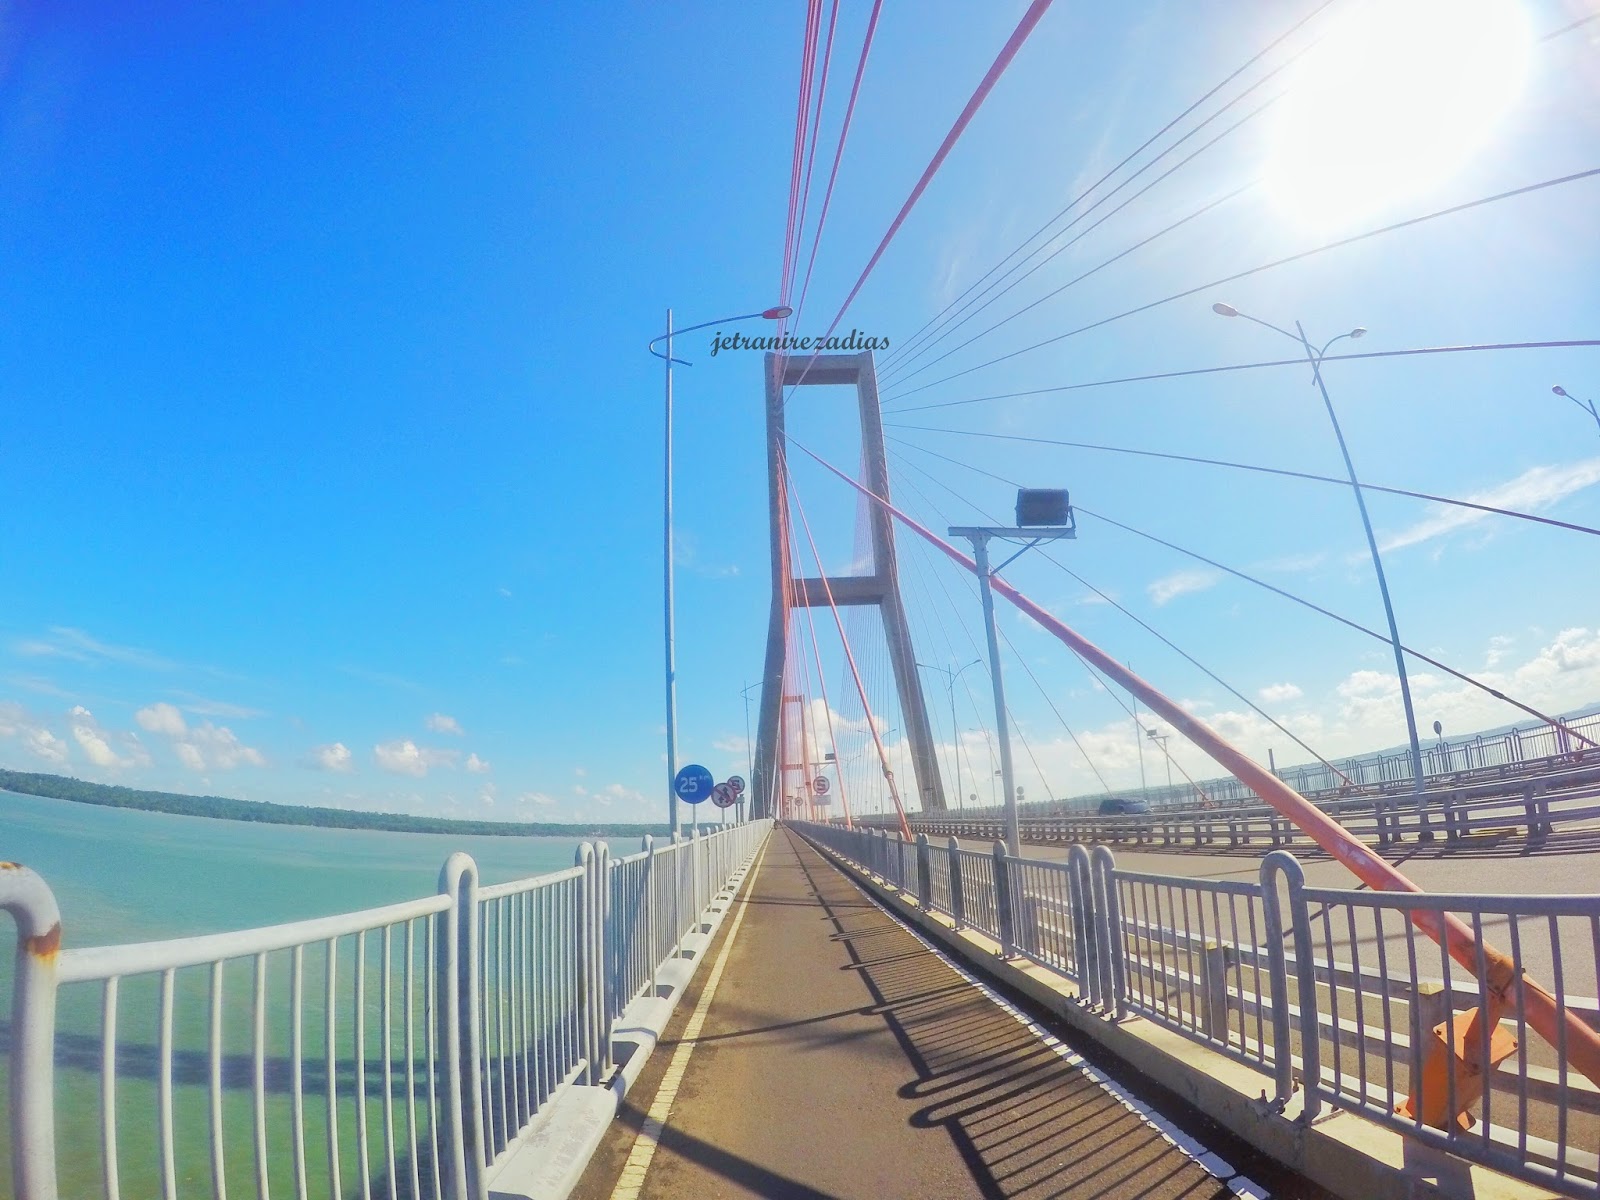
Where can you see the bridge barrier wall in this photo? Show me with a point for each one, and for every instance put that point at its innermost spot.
(1331, 994)
(401, 1051)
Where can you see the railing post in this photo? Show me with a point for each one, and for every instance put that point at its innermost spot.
(1297, 927)
(697, 845)
(1085, 937)
(1538, 810)
(958, 889)
(652, 945)
(591, 996)
(924, 874)
(457, 982)
(33, 1030)
(1112, 950)
(602, 924)
(1214, 990)
(1002, 901)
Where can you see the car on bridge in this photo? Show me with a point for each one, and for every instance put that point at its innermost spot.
(1129, 807)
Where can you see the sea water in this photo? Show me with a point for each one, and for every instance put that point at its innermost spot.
(121, 875)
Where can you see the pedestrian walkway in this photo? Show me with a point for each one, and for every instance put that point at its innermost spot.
(838, 1057)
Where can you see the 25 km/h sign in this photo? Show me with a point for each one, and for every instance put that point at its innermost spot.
(693, 784)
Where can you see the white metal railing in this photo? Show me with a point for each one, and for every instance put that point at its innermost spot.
(1333, 991)
(394, 1052)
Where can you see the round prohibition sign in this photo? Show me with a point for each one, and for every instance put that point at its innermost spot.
(724, 796)
(820, 785)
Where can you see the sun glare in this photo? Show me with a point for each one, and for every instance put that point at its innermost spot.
(1394, 99)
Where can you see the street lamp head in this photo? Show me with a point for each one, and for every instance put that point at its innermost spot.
(1224, 310)
(777, 312)
(1559, 390)
(1359, 331)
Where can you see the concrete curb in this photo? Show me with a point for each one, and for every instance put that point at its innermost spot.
(550, 1157)
(1351, 1157)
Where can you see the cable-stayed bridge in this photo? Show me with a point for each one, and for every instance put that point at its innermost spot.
(964, 956)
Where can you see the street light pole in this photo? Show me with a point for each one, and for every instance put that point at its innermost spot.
(955, 734)
(980, 554)
(1138, 744)
(668, 603)
(669, 616)
(1315, 357)
(1048, 515)
(1586, 405)
(1160, 739)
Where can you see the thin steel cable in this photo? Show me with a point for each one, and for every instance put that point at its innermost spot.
(895, 372)
(1480, 202)
(1093, 766)
(1150, 629)
(1008, 52)
(1221, 462)
(1077, 279)
(839, 622)
(1086, 192)
(1276, 362)
(838, 154)
(1372, 633)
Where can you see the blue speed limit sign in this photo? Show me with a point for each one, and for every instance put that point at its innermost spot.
(693, 784)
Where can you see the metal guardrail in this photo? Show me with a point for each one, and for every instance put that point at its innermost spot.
(1536, 750)
(1456, 814)
(1328, 991)
(396, 1052)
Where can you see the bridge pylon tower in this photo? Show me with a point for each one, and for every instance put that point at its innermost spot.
(879, 586)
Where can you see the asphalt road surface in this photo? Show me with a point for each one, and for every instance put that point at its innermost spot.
(839, 1057)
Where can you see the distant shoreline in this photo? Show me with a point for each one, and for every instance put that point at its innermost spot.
(263, 812)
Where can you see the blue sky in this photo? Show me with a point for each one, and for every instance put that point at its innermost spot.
(330, 464)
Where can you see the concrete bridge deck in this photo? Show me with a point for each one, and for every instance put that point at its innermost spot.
(827, 1052)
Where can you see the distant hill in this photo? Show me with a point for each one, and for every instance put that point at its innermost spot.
(61, 787)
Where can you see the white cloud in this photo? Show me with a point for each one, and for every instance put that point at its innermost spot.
(335, 756)
(1497, 650)
(61, 641)
(1361, 684)
(476, 765)
(1181, 583)
(440, 723)
(45, 745)
(1278, 693)
(17, 722)
(404, 757)
(96, 743)
(1535, 488)
(216, 747)
(538, 798)
(162, 717)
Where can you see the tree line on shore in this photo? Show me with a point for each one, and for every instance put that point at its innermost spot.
(62, 787)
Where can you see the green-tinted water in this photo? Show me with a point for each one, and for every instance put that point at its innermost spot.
(124, 876)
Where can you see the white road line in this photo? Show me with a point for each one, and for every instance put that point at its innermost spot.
(1206, 1159)
(631, 1182)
